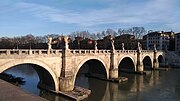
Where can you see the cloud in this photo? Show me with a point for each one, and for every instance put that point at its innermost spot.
(141, 13)
(90, 18)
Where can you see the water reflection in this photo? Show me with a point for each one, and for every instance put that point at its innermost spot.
(155, 86)
(29, 75)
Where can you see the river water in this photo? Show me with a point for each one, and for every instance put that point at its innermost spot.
(155, 86)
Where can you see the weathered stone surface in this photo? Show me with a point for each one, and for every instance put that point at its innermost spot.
(66, 84)
(62, 64)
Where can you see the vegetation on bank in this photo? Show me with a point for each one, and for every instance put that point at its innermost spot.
(12, 79)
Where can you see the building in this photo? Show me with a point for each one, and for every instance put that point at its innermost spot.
(87, 44)
(76, 43)
(105, 43)
(162, 40)
(177, 42)
(83, 43)
(130, 42)
(100, 44)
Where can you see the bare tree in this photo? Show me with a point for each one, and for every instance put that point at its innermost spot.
(138, 32)
(111, 32)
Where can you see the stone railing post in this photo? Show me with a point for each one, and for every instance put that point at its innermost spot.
(30, 52)
(40, 52)
(8, 52)
(19, 52)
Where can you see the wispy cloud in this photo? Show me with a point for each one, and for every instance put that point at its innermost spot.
(141, 13)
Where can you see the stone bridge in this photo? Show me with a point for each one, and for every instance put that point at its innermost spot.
(57, 69)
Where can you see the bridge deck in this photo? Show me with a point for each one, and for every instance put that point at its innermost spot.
(10, 92)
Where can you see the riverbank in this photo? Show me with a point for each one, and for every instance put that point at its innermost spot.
(77, 94)
(10, 92)
(12, 79)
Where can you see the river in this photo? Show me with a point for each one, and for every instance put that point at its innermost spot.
(155, 86)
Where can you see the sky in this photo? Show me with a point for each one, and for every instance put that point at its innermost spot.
(42, 17)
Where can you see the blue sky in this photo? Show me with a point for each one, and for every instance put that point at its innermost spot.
(41, 17)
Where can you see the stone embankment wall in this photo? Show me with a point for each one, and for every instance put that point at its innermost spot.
(173, 58)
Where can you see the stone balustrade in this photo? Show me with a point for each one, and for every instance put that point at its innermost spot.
(89, 51)
(28, 51)
(125, 51)
(146, 51)
(73, 51)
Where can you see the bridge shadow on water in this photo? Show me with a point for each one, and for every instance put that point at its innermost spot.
(32, 75)
(126, 65)
(110, 91)
(131, 90)
(29, 73)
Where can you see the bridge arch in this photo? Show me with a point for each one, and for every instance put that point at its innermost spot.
(40, 64)
(85, 60)
(127, 64)
(161, 60)
(147, 62)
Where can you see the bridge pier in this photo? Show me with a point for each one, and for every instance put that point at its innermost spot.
(139, 64)
(155, 64)
(113, 73)
(155, 61)
(66, 83)
(140, 67)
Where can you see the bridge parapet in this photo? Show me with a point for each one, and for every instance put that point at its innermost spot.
(147, 51)
(90, 51)
(28, 52)
(125, 51)
(101, 51)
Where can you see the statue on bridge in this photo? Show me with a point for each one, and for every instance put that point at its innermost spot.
(139, 47)
(58, 41)
(112, 44)
(122, 46)
(95, 45)
(61, 41)
(66, 41)
(155, 47)
(49, 43)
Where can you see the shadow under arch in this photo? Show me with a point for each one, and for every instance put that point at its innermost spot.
(126, 65)
(161, 61)
(147, 63)
(96, 62)
(46, 75)
(87, 77)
